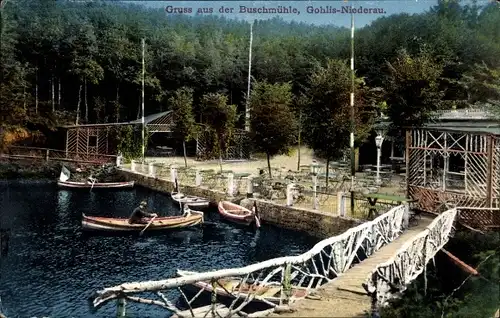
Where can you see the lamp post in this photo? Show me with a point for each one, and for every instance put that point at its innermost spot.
(378, 142)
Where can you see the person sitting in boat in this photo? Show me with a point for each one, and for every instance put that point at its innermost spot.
(139, 215)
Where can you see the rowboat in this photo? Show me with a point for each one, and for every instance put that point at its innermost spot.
(238, 214)
(95, 185)
(232, 287)
(97, 223)
(190, 200)
(91, 183)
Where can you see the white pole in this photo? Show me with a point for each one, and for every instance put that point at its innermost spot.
(143, 143)
(378, 165)
(353, 153)
(247, 106)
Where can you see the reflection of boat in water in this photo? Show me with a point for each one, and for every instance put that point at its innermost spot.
(231, 287)
(96, 223)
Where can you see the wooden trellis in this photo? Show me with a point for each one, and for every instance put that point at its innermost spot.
(88, 140)
(460, 168)
(239, 147)
(95, 138)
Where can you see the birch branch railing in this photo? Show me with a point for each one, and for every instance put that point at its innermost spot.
(392, 277)
(275, 282)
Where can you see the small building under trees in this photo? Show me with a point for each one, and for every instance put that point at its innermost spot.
(456, 160)
(104, 139)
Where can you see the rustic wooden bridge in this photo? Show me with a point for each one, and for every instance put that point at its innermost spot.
(347, 275)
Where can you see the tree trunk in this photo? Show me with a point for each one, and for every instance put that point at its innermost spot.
(220, 156)
(185, 156)
(59, 93)
(53, 93)
(298, 149)
(117, 101)
(78, 105)
(327, 172)
(24, 96)
(269, 164)
(86, 105)
(36, 90)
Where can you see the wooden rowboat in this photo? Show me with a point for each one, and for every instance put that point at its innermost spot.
(267, 292)
(96, 185)
(238, 214)
(190, 200)
(97, 223)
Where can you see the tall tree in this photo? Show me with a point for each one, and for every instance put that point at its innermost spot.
(83, 63)
(182, 110)
(412, 89)
(221, 117)
(327, 115)
(273, 125)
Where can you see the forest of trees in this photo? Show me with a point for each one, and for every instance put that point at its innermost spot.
(65, 62)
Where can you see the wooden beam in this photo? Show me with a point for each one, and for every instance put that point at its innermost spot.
(489, 175)
(407, 159)
(461, 264)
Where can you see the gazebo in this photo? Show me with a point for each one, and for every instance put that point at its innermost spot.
(456, 159)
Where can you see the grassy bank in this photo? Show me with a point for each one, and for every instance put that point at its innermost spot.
(29, 170)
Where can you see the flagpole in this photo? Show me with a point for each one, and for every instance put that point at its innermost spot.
(353, 152)
(247, 106)
(142, 120)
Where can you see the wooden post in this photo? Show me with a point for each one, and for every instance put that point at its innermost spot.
(407, 159)
(132, 165)
(315, 185)
(249, 187)
(67, 141)
(406, 215)
(47, 155)
(289, 194)
(120, 308)
(173, 174)
(489, 175)
(446, 160)
(198, 178)
(151, 169)
(230, 184)
(340, 204)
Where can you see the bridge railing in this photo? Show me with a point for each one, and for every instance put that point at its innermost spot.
(275, 282)
(47, 154)
(390, 278)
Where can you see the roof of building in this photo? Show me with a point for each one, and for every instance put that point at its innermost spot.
(156, 119)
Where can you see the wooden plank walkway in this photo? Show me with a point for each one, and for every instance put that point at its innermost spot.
(345, 296)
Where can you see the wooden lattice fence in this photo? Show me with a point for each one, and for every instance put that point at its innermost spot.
(88, 140)
(461, 169)
(239, 147)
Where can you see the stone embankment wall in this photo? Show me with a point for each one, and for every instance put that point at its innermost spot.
(316, 223)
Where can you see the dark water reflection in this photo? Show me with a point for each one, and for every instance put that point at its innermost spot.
(52, 267)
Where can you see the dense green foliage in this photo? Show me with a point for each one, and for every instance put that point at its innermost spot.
(59, 56)
(477, 297)
(181, 104)
(273, 125)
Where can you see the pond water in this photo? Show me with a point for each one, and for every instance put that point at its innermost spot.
(52, 267)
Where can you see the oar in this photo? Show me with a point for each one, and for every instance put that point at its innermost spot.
(144, 229)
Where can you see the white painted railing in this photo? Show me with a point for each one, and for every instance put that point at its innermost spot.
(393, 276)
(324, 262)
